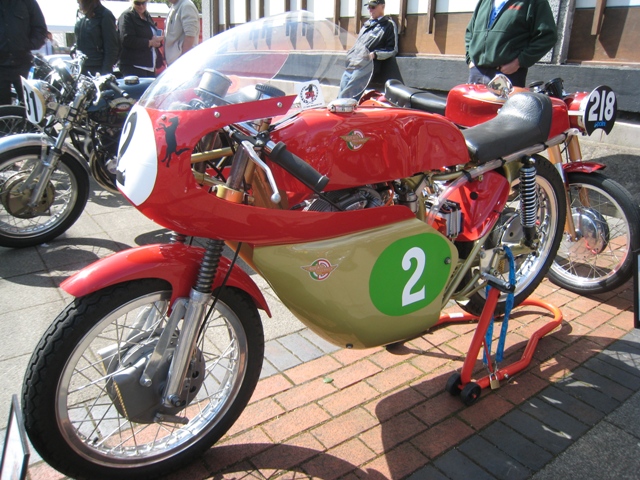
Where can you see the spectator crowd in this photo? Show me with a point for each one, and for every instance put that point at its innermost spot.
(133, 43)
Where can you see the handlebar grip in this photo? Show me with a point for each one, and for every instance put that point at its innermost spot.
(116, 88)
(298, 168)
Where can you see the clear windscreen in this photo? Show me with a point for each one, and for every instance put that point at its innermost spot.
(287, 52)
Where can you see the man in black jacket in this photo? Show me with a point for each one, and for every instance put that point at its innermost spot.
(22, 29)
(97, 37)
(377, 41)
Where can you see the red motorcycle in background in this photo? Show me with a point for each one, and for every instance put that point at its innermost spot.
(365, 221)
(602, 229)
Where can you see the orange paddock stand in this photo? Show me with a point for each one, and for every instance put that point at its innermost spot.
(461, 383)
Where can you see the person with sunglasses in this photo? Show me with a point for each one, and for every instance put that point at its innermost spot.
(377, 41)
(140, 40)
(96, 37)
(182, 29)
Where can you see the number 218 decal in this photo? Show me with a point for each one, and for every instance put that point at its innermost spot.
(409, 274)
(601, 110)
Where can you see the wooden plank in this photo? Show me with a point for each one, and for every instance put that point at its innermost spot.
(598, 15)
(402, 17)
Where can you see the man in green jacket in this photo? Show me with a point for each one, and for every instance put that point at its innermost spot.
(508, 36)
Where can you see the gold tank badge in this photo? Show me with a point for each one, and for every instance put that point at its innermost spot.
(355, 139)
(320, 269)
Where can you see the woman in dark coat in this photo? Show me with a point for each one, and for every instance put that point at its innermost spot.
(140, 40)
(97, 37)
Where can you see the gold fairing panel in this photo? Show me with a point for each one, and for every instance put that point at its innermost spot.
(366, 289)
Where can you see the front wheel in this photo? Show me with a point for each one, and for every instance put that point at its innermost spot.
(65, 196)
(13, 120)
(600, 256)
(531, 267)
(86, 409)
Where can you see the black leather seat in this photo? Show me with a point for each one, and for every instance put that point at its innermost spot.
(524, 120)
(406, 97)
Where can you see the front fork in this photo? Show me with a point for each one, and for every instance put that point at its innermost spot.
(200, 296)
(575, 155)
(192, 326)
(40, 176)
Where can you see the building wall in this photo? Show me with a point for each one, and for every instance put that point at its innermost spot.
(433, 58)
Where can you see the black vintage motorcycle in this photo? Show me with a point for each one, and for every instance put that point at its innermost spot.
(44, 180)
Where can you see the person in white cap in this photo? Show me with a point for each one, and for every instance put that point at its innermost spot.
(377, 41)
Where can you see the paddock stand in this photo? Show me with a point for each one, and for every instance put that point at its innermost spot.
(461, 383)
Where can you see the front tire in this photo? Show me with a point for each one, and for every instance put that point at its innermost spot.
(13, 120)
(76, 382)
(62, 204)
(608, 232)
(530, 268)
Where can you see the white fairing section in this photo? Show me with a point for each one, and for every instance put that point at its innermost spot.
(137, 157)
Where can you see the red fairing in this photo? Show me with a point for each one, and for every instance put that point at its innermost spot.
(576, 104)
(176, 263)
(471, 104)
(481, 203)
(370, 145)
(400, 143)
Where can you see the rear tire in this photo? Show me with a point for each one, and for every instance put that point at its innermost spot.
(608, 226)
(83, 382)
(530, 268)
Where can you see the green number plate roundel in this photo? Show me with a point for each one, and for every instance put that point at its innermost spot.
(409, 274)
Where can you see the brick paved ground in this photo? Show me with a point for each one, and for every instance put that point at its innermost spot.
(328, 413)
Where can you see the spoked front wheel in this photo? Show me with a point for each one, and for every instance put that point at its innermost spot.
(599, 257)
(88, 410)
(13, 120)
(24, 224)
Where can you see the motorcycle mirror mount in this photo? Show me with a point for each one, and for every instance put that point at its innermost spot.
(500, 86)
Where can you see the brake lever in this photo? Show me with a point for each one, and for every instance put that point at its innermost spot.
(275, 197)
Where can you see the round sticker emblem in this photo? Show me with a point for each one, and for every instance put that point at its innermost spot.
(410, 274)
(320, 269)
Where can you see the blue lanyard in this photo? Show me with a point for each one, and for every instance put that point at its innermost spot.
(507, 312)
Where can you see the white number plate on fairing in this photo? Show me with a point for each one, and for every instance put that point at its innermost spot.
(34, 102)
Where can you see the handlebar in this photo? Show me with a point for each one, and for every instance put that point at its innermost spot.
(113, 84)
(279, 154)
(298, 167)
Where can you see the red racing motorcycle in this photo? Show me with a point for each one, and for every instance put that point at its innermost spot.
(602, 229)
(365, 221)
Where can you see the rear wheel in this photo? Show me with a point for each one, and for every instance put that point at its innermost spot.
(600, 257)
(64, 198)
(86, 409)
(530, 267)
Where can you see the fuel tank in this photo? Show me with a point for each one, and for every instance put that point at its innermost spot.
(472, 104)
(369, 145)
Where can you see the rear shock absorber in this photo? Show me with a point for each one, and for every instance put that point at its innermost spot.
(529, 202)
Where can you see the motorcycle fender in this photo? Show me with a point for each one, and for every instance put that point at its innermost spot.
(582, 167)
(176, 263)
(22, 140)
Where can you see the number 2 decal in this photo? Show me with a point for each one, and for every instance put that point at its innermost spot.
(410, 273)
(408, 295)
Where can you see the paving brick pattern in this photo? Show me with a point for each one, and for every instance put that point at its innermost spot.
(324, 412)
